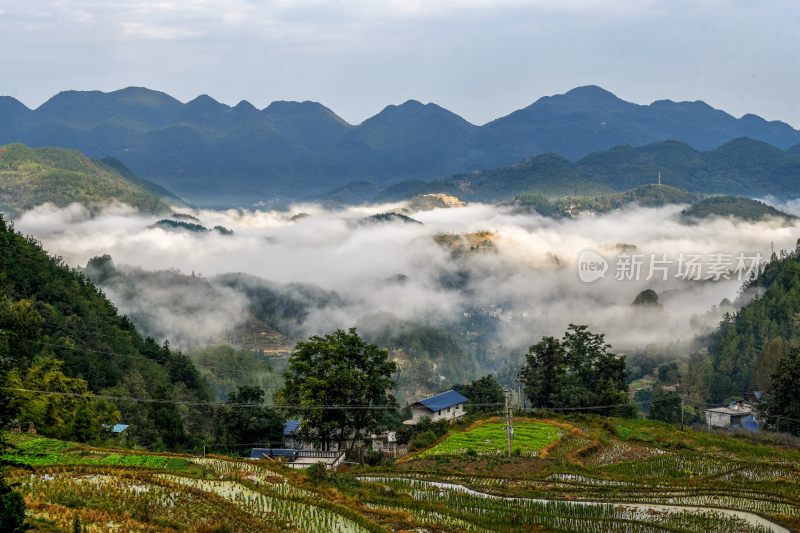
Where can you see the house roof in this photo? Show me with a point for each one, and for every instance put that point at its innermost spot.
(742, 411)
(258, 453)
(443, 400)
(119, 428)
(290, 427)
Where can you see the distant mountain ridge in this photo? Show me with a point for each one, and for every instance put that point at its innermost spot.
(212, 153)
(740, 167)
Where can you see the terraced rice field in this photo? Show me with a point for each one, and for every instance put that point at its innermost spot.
(597, 475)
(529, 439)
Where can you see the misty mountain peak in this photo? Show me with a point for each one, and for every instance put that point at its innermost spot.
(414, 112)
(204, 100)
(245, 106)
(144, 96)
(593, 93)
(11, 109)
(307, 108)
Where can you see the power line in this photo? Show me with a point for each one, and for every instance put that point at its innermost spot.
(89, 395)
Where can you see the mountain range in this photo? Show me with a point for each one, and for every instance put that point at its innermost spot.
(218, 155)
(743, 166)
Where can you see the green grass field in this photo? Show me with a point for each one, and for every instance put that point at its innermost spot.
(43, 452)
(529, 439)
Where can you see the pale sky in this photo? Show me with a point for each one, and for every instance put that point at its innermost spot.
(479, 58)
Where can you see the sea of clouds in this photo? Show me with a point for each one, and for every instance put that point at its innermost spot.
(529, 283)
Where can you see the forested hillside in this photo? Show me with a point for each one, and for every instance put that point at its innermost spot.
(756, 348)
(733, 206)
(70, 358)
(31, 177)
(740, 167)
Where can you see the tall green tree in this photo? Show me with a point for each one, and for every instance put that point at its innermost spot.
(339, 369)
(666, 406)
(578, 371)
(482, 393)
(545, 365)
(248, 421)
(12, 508)
(783, 404)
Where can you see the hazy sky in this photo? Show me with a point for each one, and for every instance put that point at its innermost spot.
(479, 58)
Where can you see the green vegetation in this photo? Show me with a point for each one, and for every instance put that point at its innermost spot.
(194, 227)
(741, 167)
(339, 369)
(490, 438)
(482, 393)
(390, 217)
(245, 422)
(576, 474)
(577, 371)
(624, 463)
(66, 344)
(42, 452)
(701, 205)
(733, 206)
(754, 342)
(547, 175)
(212, 152)
(424, 353)
(33, 176)
(225, 368)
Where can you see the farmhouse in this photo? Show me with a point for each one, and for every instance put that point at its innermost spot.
(299, 458)
(290, 439)
(448, 405)
(737, 415)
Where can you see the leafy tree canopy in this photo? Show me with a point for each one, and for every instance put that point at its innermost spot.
(577, 371)
(339, 369)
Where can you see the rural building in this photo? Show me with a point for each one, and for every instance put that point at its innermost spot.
(448, 405)
(737, 415)
(116, 429)
(299, 458)
(290, 439)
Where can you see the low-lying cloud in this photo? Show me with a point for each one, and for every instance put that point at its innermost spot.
(527, 283)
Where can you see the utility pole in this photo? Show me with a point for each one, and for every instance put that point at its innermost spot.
(509, 421)
(681, 412)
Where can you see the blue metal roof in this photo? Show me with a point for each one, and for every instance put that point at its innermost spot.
(443, 400)
(260, 453)
(119, 428)
(290, 427)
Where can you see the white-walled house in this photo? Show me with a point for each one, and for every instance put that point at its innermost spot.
(737, 415)
(448, 405)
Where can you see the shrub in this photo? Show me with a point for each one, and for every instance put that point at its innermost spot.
(373, 458)
(317, 473)
(423, 440)
(12, 509)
